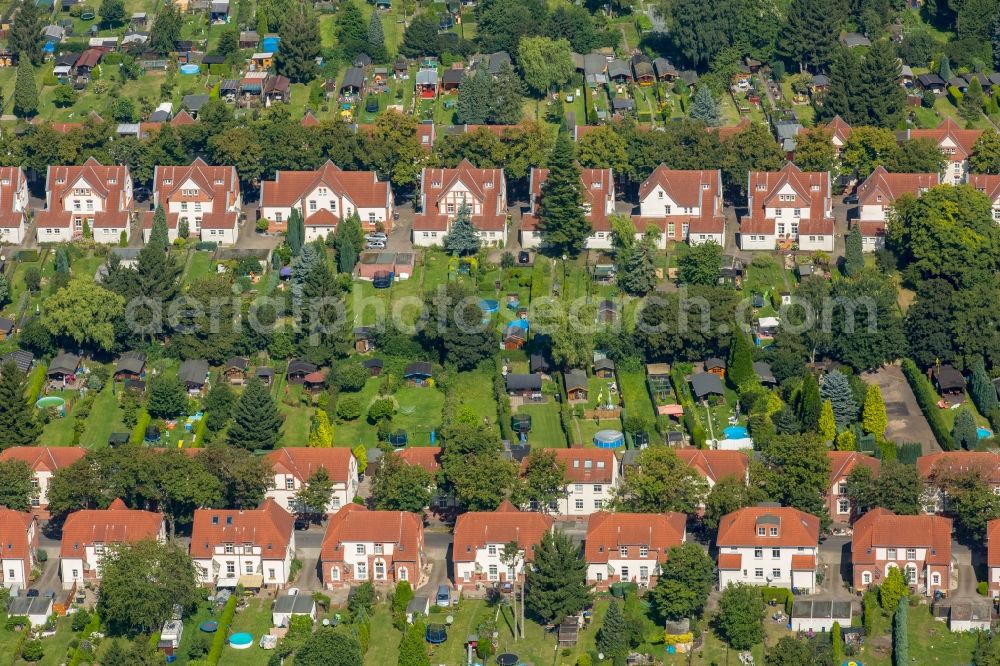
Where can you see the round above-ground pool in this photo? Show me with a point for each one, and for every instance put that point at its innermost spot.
(190, 69)
(984, 433)
(241, 640)
(489, 305)
(736, 432)
(609, 439)
(50, 401)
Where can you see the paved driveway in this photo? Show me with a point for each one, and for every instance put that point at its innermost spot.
(437, 554)
(906, 421)
(835, 558)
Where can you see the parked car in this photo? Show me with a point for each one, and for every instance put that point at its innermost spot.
(376, 236)
(301, 524)
(33, 592)
(375, 245)
(523, 257)
(443, 597)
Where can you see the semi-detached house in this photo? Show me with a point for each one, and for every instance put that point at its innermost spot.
(13, 205)
(768, 545)
(919, 546)
(630, 547)
(324, 197)
(685, 205)
(878, 194)
(788, 206)
(591, 478)
(252, 548)
(842, 463)
(19, 541)
(207, 198)
(88, 534)
(598, 207)
(384, 547)
(294, 465)
(43, 462)
(443, 192)
(480, 538)
(94, 196)
(955, 143)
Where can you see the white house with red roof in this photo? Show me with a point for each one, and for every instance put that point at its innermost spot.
(988, 184)
(19, 541)
(842, 463)
(630, 547)
(43, 461)
(937, 469)
(790, 205)
(13, 204)
(96, 195)
(768, 545)
(206, 197)
(88, 534)
(598, 206)
(384, 547)
(294, 465)
(684, 205)
(324, 197)
(840, 132)
(591, 477)
(480, 538)
(920, 546)
(878, 194)
(993, 556)
(444, 191)
(716, 464)
(956, 143)
(254, 548)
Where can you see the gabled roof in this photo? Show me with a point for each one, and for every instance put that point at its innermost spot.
(362, 188)
(116, 524)
(131, 362)
(812, 190)
(576, 379)
(484, 185)
(588, 465)
(64, 363)
(598, 192)
(14, 527)
(706, 383)
(993, 543)
(795, 528)
(701, 189)
(842, 462)
(948, 132)
(716, 464)
(193, 371)
(882, 528)
(218, 184)
(476, 529)
(524, 382)
(984, 463)
(839, 129)
(658, 532)
(44, 458)
(106, 182)
(12, 180)
(891, 186)
(268, 526)
(302, 462)
(428, 457)
(987, 183)
(356, 524)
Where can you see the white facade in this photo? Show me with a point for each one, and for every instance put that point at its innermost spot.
(337, 203)
(487, 563)
(768, 566)
(642, 569)
(428, 238)
(344, 492)
(222, 236)
(230, 561)
(816, 242)
(54, 234)
(758, 241)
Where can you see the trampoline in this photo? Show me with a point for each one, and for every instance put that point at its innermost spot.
(436, 634)
(398, 438)
(209, 627)
(507, 659)
(521, 423)
(609, 439)
(489, 306)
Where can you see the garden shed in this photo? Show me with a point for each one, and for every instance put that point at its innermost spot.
(297, 370)
(131, 365)
(193, 374)
(706, 385)
(418, 373)
(577, 386)
(287, 605)
(524, 385)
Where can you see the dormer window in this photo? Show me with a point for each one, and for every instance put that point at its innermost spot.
(112, 181)
(623, 550)
(600, 464)
(168, 181)
(761, 531)
(219, 181)
(815, 188)
(5, 181)
(488, 184)
(435, 183)
(596, 185)
(60, 181)
(704, 186)
(587, 464)
(229, 520)
(774, 531)
(643, 551)
(215, 520)
(761, 187)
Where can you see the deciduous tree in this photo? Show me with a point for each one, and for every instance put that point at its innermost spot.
(398, 486)
(740, 619)
(661, 482)
(17, 487)
(874, 419)
(684, 583)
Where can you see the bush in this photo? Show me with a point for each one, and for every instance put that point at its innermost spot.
(139, 432)
(32, 651)
(348, 408)
(207, 246)
(955, 95)
(928, 99)
(927, 399)
(983, 588)
(80, 619)
(42, 555)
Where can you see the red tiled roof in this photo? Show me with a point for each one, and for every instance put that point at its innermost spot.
(476, 529)
(117, 199)
(428, 457)
(484, 185)
(842, 462)
(839, 128)
(44, 458)
(600, 469)
(268, 526)
(948, 130)
(356, 524)
(14, 542)
(730, 130)
(715, 464)
(657, 531)
(891, 186)
(322, 218)
(988, 184)
(881, 528)
(595, 197)
(218, 184)
(116, 524)
(795, 528)
(985, 463)
(803, 562)
(309, 120)
(89, 58)
(763, 190)
(182, 118)
(362, 188)
(302, 461)
(870, 228)
(993, 543)
(730, 561)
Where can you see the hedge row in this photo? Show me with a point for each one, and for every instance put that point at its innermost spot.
(80, 654)
(780, 595)
(222, 632)
(927, 398)
(139, 431)
(691, 421)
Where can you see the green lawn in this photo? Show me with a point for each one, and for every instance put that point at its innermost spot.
(104, 419)
(585, 429)
(56, 647)
(419, 413)
(255, 619)
(546, 430)
(475, 390)
(385, 648)
(634, 392)
(293, 403)
(930, 642)
(199, 265)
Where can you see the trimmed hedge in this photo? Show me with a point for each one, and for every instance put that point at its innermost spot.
(927, 399)
(219, 640)
(780, 595)
(139, 431)
(955, 95)
(691, 421)
(80, 654)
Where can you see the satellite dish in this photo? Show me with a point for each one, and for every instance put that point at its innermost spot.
(326, 622)
(449, 619)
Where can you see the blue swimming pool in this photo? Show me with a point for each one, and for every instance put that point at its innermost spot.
(736, 432)
(984, 432)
